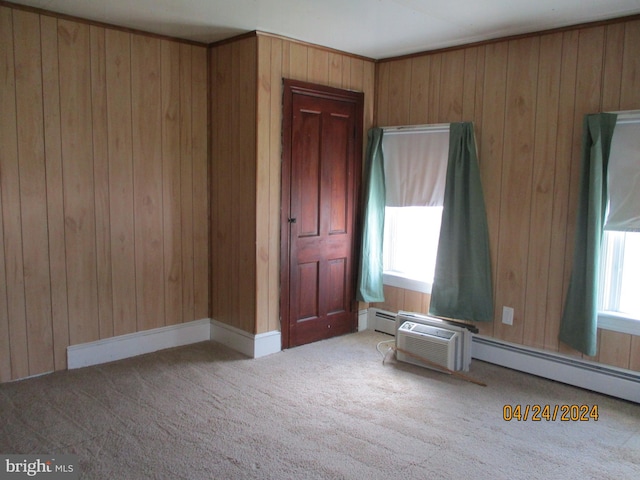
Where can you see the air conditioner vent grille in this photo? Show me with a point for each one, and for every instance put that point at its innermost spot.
(432, 351)
(434, 344)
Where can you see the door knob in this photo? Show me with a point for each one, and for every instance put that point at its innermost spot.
(292, 220)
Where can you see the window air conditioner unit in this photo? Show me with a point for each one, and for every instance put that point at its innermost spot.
(442, 342)
(416, 341)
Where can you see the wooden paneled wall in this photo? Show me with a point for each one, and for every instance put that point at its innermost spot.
(233, 182)
(246, 129)
(527, 98)
(103, 180)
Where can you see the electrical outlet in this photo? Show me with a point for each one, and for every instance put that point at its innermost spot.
(507, 315)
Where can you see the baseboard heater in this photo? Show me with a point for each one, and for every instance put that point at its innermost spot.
(616, 382)
(382, 321)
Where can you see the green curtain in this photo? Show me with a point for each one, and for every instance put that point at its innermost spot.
(579, 324)
(462, 281)
(370, 287)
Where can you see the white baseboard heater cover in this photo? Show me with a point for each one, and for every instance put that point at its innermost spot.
(617, 382)
(382, 321)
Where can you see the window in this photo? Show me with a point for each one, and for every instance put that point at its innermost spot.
(619, 302)
(415, 160)
(410, 245)
(619, 280)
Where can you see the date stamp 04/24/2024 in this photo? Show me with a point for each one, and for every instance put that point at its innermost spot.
(550, 413)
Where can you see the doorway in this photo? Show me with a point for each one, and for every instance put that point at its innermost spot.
(321, 170)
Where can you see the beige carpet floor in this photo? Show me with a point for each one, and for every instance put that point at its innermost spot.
(330, 410)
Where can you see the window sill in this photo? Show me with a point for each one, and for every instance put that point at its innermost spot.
(394, 280)
(618, 323)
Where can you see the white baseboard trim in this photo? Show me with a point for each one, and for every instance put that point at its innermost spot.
(251, 345)
(138, 343)
(363, 319)
(616, 382)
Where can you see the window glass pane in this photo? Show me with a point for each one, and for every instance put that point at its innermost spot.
(629, 298)
(623, 176)
(411, 241)
(620, 273)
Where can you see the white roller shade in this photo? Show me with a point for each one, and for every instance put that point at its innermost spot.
(624, 175)
(415, 165)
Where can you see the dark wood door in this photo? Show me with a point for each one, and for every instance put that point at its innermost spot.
(322, 150)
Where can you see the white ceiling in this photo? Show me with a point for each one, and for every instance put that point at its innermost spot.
(372, 28)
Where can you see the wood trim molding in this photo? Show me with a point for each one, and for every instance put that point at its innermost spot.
(512, 37)
(96, 23)
(314, 45)
(259, 33)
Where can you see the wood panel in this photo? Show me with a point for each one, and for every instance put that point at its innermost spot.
(470, 75)
(243, 181)
(629, 91)
(186, 181)
(614, 348)
(634, 357)
(81, 249)
(396, 299)
(15, 358)
(298, 61)
(78, 180)
(368, 87)
(419, 92)
(200, 193)
(452, 87)
(101, 181)
(318, 65)
(119, 125)
(233, 108)
(381, 108)
(266, 82)
(435, 86)
(221, 211)
(399, 92)
(561, 179)
(55, 203)
(5, 346)
(147, 181)
(491, 153)
(357, 74)
(613, 63)
(272, 256)
(540, 222)
(215, 140)
(336, 70)
(517, 169)
(527, 98)
(171, 181)
(33, 201)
